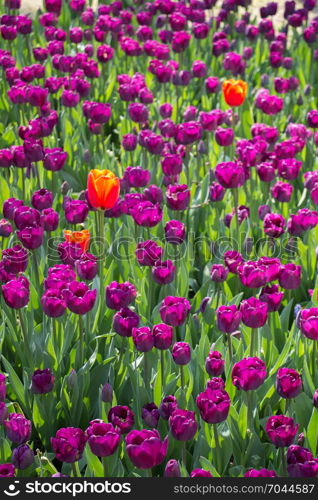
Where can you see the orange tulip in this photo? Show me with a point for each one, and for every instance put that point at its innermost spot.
(234, 92)
(103, 189)
(80, 237)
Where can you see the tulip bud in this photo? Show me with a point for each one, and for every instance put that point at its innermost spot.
(300, 439)
(107, 393)
(72, 379)
(22, 457)
(172, 469)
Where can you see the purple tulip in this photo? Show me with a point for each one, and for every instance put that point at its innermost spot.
(300, 462)
(274, 225)
(167, 406)
(3, 387)
(15, 259)
(5, 228)
(224, 136)
(22, 457)
(162, 335)
(26, 217)
(281, 430)
(143, 338)
(272, 296)
(218, 273)
(228, 318)
(230, 175)
(7, 470)
(17, 428)
(122, 418)
(49, 219)
(107, 393)
(146, 214)
(145, 448)
(172, 469)
(42, 381)
(178, 197)
(148, 252)
(175, 232)
(254, 312)
(288, 383)
(42, 199)
(79, 298)
(214, 405)
(181, 353)
(76, 211)
(216, 192)
(86, 267)
(290, 276)
(119, 295)
(248, 374)
(31, 237)
(252, 274)
(16, 292)
(103, 439)
(3, 412)
(183, 425)
(260, 473)
(214, 364)
(124, 321)
(308, 320)
(137, 176)
(150, 415)
(68, 444)
(163, 272)
(174, 310)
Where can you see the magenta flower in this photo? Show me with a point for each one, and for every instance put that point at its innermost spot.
(183, 425)
(308, 321)
(214, 405)
(281, 430)
(228, 318)
(254, 312)
(288, 383)
(174, 310)
(230, 175)
(145, 448)
(42, 381)
(214, 364)
(17, 428)
(79, 298)
(103, 439)
(289, 276)
(249, 373)
(68, 444)
(122, 418)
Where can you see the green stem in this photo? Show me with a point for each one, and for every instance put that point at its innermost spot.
(217, 447)
(236, 221)
(146, 375)
(24, 332)
(104, 462)
(230, 347)
(253, 341)
(76, 470)
(283, 460)
(249, 404)
(100, 233)
(36, 271)
(184, 454)
(162, 362)
(81, 338)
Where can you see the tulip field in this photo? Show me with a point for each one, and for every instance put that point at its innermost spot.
(159, 239)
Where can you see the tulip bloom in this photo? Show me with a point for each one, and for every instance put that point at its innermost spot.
(249, 373)
(288, 383)
(145, 448)
(80, 237)
(234, 92)
(281, 430)
(103, 189)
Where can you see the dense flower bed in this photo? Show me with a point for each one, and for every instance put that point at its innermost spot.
(158, 185)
